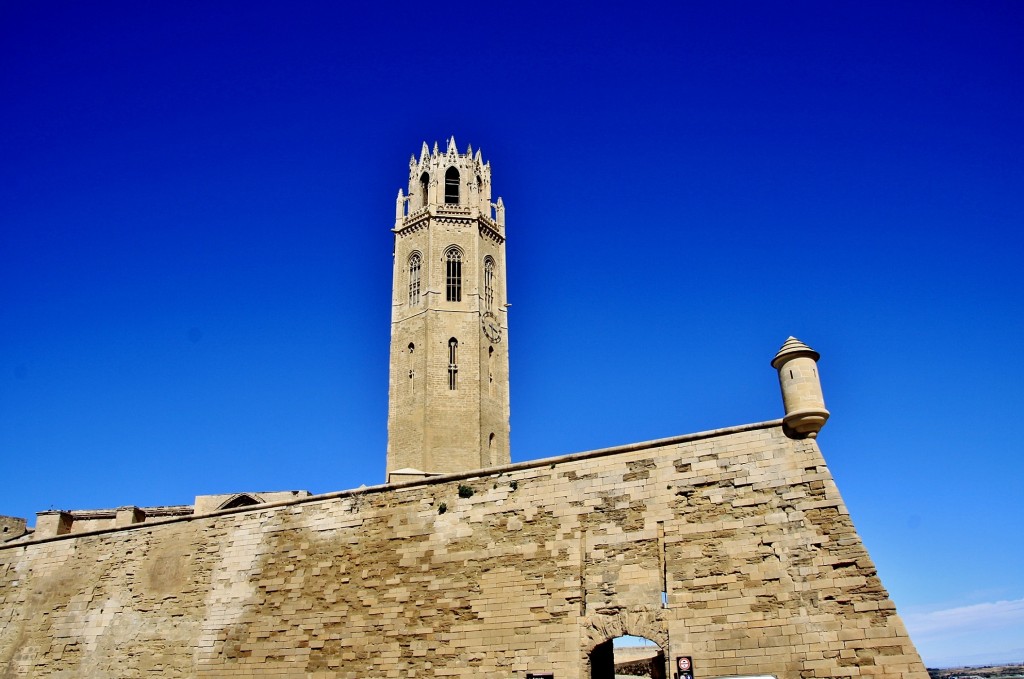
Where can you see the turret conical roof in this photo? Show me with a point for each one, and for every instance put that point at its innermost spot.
(792, 348)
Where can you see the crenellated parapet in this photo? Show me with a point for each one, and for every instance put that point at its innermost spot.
(449, 183)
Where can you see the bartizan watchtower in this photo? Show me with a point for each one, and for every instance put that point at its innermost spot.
(448, 403)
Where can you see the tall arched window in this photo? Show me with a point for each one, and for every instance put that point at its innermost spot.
(488, 283)
(451, 186)
(453, 274)
(414, 279)
(453, 362)
(424, 185)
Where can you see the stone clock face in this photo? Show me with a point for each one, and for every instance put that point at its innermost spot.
(492, 330)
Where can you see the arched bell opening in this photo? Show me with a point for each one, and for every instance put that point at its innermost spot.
(451, 186)
(424, 188)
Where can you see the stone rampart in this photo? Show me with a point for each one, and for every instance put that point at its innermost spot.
(732, 547)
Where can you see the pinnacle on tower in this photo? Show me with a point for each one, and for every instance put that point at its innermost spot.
(399, 206)
(499, 211)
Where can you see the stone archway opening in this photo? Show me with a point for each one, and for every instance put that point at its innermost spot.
(240, 500)
(625, 657)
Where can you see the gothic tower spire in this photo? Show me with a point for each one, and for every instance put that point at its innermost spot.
(448, 401)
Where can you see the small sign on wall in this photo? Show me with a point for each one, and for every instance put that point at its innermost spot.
(684, 667)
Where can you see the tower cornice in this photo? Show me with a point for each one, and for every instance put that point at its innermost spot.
(421, 219)
(490, 230)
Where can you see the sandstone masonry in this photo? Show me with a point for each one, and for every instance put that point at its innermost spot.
(742, 529)
(732, 547)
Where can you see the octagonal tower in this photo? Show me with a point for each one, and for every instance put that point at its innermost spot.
(448, 401)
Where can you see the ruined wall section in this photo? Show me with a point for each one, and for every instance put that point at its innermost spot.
(526, 569)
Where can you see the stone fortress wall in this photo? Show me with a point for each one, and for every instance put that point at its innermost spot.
(731, 546)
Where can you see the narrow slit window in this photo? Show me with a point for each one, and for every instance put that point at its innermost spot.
(453, 275)
(414, 279)
(451, 186)
(663, 563)
(490, 371)
(424, 185)
(488, 283)
(453, 363)
(412, 371)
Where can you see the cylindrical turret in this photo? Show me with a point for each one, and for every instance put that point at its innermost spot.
(797, 364)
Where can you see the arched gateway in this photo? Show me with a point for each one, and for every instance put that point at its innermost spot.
(600, 630)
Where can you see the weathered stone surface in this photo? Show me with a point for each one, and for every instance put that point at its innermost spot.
(742, 529)
(11, 527)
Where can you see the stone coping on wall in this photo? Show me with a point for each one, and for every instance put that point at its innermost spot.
(161, 510)
(433, 480)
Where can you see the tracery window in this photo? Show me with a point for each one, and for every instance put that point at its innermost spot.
(414, 279)
(451, 186)
(488, 283)
(453, 362)
(453, 274)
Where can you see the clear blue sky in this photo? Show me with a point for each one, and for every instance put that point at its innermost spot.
(195, 249)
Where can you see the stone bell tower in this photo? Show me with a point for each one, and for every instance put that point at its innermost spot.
(448, 389)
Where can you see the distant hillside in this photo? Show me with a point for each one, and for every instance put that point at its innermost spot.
(979, 672)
